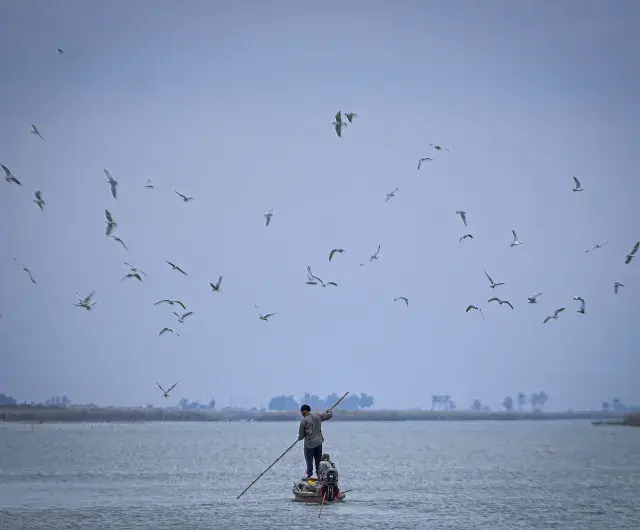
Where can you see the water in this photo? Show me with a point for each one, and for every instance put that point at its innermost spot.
(413, 475)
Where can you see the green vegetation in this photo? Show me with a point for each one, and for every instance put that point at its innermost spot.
(41, 414)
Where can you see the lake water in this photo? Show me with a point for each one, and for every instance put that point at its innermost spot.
(413, 475)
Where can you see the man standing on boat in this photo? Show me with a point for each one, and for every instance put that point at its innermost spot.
(311, 431)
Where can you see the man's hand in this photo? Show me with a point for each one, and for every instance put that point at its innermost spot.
(328, 410)
(300, 438)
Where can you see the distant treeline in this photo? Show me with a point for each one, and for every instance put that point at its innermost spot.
(42, 414)
(290, 403)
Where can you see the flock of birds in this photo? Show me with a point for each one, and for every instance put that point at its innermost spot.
(534, 298)
(134, 273)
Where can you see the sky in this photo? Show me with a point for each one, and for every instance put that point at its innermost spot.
(232, 103)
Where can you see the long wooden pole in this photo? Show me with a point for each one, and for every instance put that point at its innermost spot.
(288, 449)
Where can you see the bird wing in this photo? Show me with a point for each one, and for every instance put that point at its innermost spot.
(338, 117)
(489, 277)
(338, 127)
(38, 195)
(536, 295)
(180, 304)
(6, 170)
(161, 301)
(187, 315)
(180, 270)
(219, 282)
(163, 390)
(470, 307)
(332, 283)
(546, 319)
(508, 303)
(163, 330)
(332, 253)
(634, 249)
(577, 182)
(268, 315)
(494, 299)
(172, 264)
(172, 386)
(515, 237)
(558, 311)
(108, 216)
(377, 251)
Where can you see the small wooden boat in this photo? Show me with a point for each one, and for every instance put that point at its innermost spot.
(308, 491)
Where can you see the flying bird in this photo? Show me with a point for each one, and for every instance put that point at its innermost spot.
(86, 301)
(463, 216)
(132, 275)
(373, 256)
(439, 148)
(577, 186)
(496, 299)
(165, 393)
(34, 130)
(594, 247)
(116, 238)
(555, 315)
(112, 182)
(111, 224)
(268, 216)
(149, 185)
(582, 304)
(39, 200)
(425, 159)
(338, 124)
(632, 254)
(134, 269)
(471, 306)
(406, 300)
(533, 299)
(515, 241)
(465, 237)
(176, 268)
(181, 318)
(493, 284)
(27, 271)
(350, 116)
(333, 251)
(9, 176)
(391, 195)
(60, 51)
(184, 197)
(171, 302)
(263, 317)
(164, 330)
(617, 286)
(216, 286)
(313, 280)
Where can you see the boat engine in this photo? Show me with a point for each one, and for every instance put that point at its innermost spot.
(330, 484)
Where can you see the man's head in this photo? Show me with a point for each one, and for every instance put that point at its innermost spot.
(305, 409)
(326, 456)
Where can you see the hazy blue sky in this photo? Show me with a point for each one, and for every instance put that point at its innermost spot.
(231, 102)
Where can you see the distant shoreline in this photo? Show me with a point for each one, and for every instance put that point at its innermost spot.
(36, 414)
(629, 420)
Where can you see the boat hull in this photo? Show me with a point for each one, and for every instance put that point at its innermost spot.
(314, 498)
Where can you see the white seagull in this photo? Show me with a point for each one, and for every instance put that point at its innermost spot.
(577, 186)
(39, 200)
(164, 330)
(9, 176)
(338, 124)
(112, 182)
(181, 318)
(111, 224)
(515, 241)
(617, 286)
(465, 237)
(165, 393)
(34, 130)
(373, 256)
(594, 247)
(333, 251)
(406, 300)
(533, 299)
(581, 300)
(263, 317)
(86, 301)
(216, 286)
(184, 197)
(632, 254)
(493, 284)
(555, 315)
(149, 185)
(391, 195)
(268, 217)
(471, 306)
(439, 148)
(176, 268)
